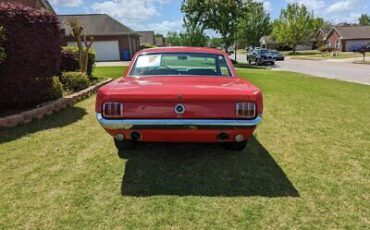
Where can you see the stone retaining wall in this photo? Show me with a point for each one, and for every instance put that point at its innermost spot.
(49, 108)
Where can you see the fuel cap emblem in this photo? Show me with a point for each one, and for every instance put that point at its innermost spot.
(180, 109)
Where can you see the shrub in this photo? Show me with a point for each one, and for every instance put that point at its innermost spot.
(323, 49)
(70, 60)
(56, 89)
(147, 46)
(74, 81)
(33, 53)
(2, 39)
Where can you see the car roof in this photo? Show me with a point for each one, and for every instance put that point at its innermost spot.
(182, 49)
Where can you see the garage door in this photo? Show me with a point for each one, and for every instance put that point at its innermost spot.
(353, 44)
(105, 50)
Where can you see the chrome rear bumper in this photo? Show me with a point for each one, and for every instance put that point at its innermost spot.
(129, 123)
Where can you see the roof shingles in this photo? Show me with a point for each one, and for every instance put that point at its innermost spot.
(354, 32)
(96, 24)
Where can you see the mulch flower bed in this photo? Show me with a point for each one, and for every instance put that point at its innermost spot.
(49, 108)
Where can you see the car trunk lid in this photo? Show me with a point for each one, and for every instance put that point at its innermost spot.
(202, 97)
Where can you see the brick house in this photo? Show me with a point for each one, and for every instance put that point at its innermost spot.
(150, 38)
(37, 4)
(160, 41)
(322, 34)
(348, 38)
(146, 37)
(113, 40)
(269, 42)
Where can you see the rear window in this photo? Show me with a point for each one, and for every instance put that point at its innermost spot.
(176, 64)
(263, 51)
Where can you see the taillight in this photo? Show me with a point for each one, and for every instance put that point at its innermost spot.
(246, 110)
(113, 110)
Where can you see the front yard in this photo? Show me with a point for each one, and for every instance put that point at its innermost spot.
(308, 166)
(317, 55)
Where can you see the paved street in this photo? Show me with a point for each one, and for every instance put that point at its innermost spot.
(341, 69)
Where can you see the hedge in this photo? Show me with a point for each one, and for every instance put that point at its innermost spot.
(2, 39)
(33, 53)
(74, 81)
(70, 61)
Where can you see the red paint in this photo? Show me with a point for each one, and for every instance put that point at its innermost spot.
(205, 97)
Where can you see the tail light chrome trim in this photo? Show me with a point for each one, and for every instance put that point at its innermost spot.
(112, 110)
(246, 110)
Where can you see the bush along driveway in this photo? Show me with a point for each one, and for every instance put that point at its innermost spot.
(306, 167)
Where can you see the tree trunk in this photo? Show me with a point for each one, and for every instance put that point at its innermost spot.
(83, 62)
(294, 48)
(80, 52)
(235, 49)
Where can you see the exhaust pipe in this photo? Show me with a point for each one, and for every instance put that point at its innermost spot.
(223, 136)
(135, 136)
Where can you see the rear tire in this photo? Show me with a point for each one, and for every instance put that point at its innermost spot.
(273, 63)
(125, 144)
(236, 146)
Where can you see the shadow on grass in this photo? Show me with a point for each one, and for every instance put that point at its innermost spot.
(60, 119)
(203, 170)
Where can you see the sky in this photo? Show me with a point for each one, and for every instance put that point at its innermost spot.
(163, 16)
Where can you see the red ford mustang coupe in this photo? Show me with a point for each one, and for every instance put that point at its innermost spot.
(180, 94)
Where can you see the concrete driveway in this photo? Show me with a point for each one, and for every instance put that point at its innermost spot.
(341, 70)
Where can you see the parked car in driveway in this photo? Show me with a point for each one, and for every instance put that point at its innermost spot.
(276, 55)
(260, 56)
(180, 94)
(230, 50)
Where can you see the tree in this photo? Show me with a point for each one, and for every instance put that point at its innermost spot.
(218, 15)
(2, 49)
(254, 23)
(294, 26)
(215, 42)
(364, 20)
(188, 37)
(173, 39)
(324, 26)
(320, 41)
(317, 23)
(193, 37)
(81, 40)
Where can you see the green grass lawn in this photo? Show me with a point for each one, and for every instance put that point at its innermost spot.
(307, 167)
(109, 71)
(317, 55)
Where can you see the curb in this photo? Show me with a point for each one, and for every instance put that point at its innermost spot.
(38, 113)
